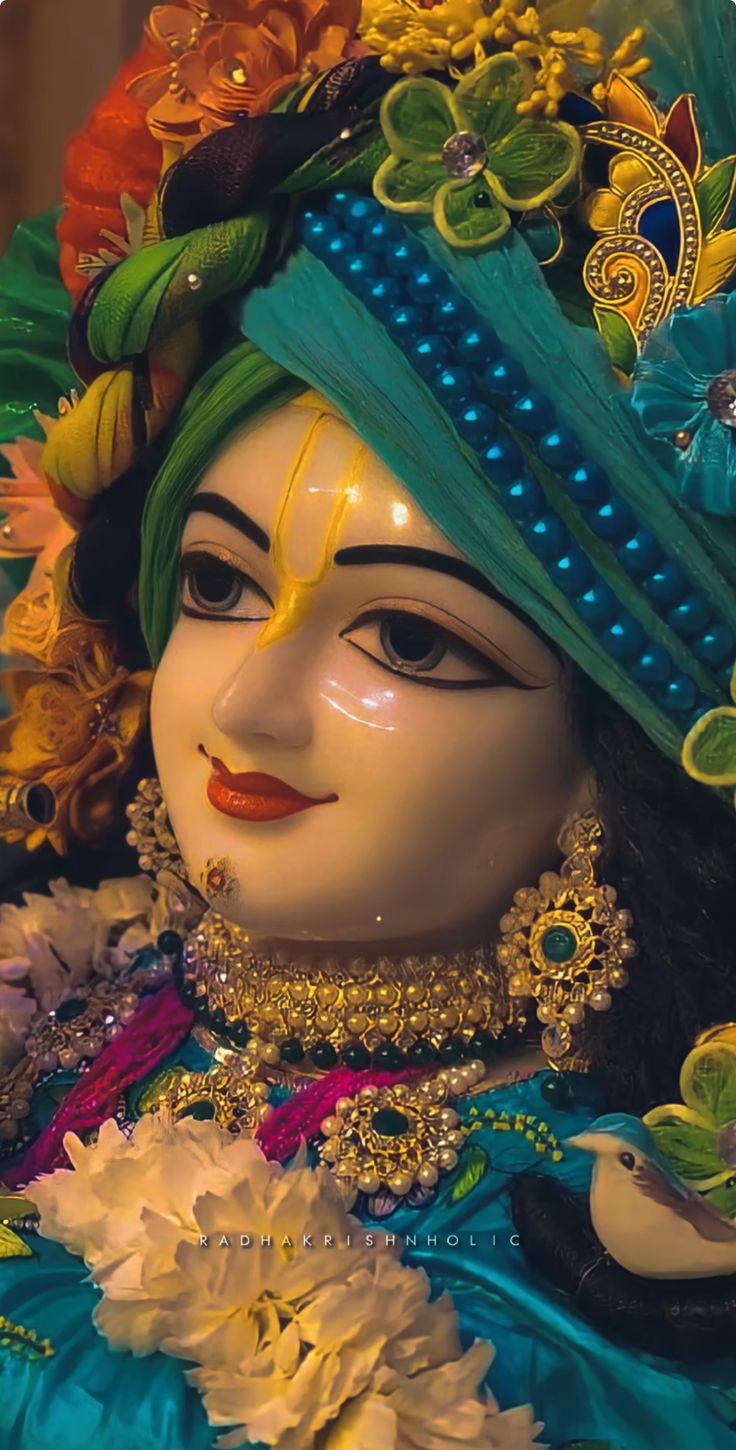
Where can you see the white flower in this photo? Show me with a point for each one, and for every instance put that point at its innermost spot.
(331, 1346)
(54, 943)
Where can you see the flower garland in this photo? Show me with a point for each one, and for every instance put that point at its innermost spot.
(293, 1347)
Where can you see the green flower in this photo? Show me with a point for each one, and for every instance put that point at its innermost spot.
(709, 751)
(464, 156)
(698, 1138)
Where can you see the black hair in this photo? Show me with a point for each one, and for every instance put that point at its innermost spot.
(690, 1320)
(671, 855)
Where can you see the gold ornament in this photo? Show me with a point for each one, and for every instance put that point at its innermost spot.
(150, 832)
(73, 1033)
(390, 1000)
(565, 944)
(24, 806)
(398, 1137)
(218, 879)
(229, 1094)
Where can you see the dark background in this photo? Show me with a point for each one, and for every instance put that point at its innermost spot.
(56, 58)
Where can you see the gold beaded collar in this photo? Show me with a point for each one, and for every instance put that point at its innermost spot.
(319, 1009)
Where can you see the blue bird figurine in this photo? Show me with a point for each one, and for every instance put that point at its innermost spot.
(647, 1219)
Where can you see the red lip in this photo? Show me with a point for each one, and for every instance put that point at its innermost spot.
(253, 796)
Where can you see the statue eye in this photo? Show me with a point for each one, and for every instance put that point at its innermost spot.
(628, 1160)
(212, 587)
(410, 644)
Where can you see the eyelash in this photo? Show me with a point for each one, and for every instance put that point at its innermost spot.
(450, 643)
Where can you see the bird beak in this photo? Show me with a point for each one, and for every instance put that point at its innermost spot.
(586, 1142)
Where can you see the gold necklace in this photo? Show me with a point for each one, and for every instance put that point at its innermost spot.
(390, 1012)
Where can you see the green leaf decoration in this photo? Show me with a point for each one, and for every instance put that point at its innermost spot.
(330, 169)
(709, 752)
(714, 193)
(619, 339)
(467, 214)
(534, 163)
(708, 1082)
(690, 1150)
(12, 1247)
(474, 1167)
(408, 186)
(490, 94)
(418, 115)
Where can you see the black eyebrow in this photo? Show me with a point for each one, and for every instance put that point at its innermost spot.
(424, 559)
(222, 508)
(441, 564)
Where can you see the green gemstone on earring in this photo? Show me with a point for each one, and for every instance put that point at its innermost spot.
(390, 1123)
(559, 945)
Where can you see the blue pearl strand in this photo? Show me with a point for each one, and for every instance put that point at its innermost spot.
(450, 348)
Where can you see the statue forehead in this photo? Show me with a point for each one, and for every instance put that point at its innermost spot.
(306, 477)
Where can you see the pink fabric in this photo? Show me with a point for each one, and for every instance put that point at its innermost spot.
(281, 1134)
(159, 1026)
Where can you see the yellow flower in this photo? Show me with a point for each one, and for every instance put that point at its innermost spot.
(293, 1346)
(698, 1137)
(412, 38)
(75, 730)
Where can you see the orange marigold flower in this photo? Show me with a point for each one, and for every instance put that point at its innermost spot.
(238, 58)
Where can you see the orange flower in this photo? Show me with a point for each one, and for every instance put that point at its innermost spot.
(32, 526)
(75, 730)
(239, 58)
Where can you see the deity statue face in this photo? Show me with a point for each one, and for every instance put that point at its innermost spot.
(357, 739)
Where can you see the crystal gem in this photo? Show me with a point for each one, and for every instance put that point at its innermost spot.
(727, 1144)
(194, 281)
(390, 1123)
(721, 399)
(464, 154)
(559, 944)
(554, 1042)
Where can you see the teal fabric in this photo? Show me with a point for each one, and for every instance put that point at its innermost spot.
(394, 411)
(582, 1386)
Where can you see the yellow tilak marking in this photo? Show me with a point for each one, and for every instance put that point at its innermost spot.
(295, 595)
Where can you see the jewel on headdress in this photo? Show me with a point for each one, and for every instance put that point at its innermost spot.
(685, 394)
(465, 153)
(720, 396)
(663, 245)
(473, 134)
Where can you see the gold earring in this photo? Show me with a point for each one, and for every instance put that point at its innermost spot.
(152, 837)
(565, 944)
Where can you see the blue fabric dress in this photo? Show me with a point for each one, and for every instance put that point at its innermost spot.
(582, 1386)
